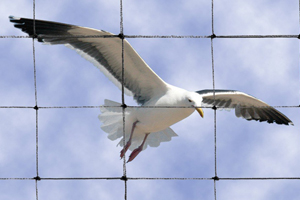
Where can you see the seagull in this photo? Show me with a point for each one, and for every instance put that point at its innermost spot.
(161, 104)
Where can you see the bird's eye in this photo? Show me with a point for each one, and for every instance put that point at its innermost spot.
(190, 100)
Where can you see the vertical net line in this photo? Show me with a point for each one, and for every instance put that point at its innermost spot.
(36, 104)
(212, 17)
(215, 153)
(215, 117)
(124, 122)
(215, 189)
(121, 17)
(36, 190)
(123, 100)
(214, 103)
(37, 140)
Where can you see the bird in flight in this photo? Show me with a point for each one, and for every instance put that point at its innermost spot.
(162, 104)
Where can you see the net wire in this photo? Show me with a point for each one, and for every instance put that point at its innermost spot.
(124, 178)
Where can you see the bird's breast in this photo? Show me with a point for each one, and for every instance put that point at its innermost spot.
(157, 119)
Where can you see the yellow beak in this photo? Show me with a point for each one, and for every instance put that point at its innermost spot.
(200, 111)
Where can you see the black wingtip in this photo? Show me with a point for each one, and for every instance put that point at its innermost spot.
(14, 19)
(11, 17)
(18, 23)
(35, 27)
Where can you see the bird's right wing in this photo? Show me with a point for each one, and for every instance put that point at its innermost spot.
(245, 106)
(105, 52)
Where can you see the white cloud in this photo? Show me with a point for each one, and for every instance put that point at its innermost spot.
(256, 17)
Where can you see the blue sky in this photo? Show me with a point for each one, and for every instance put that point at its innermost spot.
(71, 143)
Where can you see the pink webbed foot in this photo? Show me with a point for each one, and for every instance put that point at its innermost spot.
(124, 150)
(138, 150)
(134, 153)
(122, 153)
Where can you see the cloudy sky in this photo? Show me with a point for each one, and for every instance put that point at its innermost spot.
(71, 143)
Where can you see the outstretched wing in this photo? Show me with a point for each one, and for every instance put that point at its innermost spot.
(104, 50)
(245, 106)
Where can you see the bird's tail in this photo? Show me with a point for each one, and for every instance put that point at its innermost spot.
(112, 119)
(112, 123)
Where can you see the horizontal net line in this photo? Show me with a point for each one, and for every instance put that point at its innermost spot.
(157, 178)
(14, 36)
(27, 107)
(263, 178)
(218, 178)
(82, 107)
(1, 179)
(127, 178)
(258, 36)
(85, 178)
(157, 36)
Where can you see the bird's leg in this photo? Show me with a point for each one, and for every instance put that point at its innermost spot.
(122, 153)
(135, 152)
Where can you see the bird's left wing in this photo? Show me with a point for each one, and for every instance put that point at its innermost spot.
(245, 106)
(105, 52)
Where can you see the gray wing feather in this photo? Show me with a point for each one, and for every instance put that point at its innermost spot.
(245, 106)
(104, 52)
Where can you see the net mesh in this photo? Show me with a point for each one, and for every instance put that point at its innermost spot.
(125, 178)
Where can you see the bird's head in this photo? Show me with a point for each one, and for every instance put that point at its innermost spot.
(194, 100)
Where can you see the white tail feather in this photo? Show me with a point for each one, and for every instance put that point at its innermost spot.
(112, 123)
